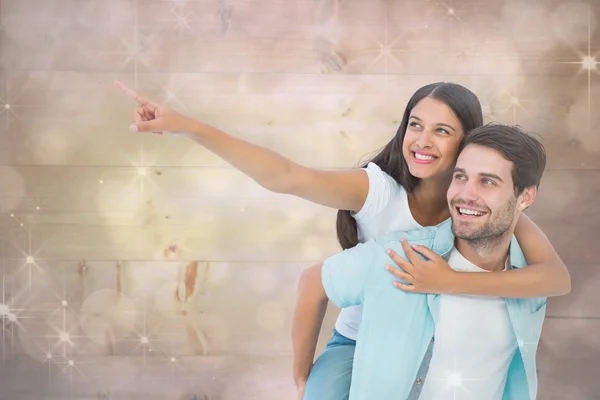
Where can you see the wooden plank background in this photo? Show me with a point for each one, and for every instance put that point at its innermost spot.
(144, 266)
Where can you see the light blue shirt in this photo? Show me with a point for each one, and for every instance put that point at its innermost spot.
(397, 327)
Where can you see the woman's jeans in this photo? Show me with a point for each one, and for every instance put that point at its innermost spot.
(331, 374)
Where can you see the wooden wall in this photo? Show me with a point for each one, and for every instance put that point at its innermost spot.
(144, 266)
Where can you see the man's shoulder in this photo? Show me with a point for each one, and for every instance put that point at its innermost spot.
(441, 235)
(426, 233)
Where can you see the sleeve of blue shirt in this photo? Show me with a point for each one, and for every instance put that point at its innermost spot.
(346, 275)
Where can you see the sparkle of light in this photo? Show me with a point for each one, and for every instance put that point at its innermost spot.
(12, 317)
(64, 303)
(144, 340)
(64, 336)
(12, 215)
(514, 100)
(7, 106)
(455, 379)
(37, 208)
(48, 356)
(4, 310)
(101, 181)
(71, 363)
(182, 20)
(29, 258)
(173, 359)
(589, 63)
(385, 50)
(142, 171)
(451, 11)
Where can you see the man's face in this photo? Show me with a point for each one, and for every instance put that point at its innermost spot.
(482, 200)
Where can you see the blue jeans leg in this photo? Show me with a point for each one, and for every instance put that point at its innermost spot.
(331, 374)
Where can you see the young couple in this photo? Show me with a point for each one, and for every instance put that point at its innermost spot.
(439, 203)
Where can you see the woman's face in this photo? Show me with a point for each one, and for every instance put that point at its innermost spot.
(432, 138)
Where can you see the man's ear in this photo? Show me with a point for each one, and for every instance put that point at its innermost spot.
(527, 197)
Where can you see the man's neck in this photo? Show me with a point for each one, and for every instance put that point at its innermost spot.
(489, 255)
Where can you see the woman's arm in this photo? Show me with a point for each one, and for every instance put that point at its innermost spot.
(344, 190)
(309, 312)
(544, 276)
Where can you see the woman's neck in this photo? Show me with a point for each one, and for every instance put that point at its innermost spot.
(428, 201)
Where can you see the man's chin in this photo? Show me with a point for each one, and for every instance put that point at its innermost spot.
(461, 231)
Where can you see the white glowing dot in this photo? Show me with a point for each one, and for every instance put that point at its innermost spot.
(385, 49)
(7, 106)
(144, 340)
(173, 359)
(451, 11)
(242, 209)
(521, 342)
(37, 208)
(101, 181)
(64, 336)
(29, 260)
(12, 215)
(71, 363)
(142, 171)
(455, 379)
(170, 95)
(12, 317)
(64, 303)
(48, 356)
(137, 51)
(4, 310)
(21, 224)
(589, 63)
(514, 100)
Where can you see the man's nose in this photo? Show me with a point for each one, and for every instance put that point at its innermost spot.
(469, 191)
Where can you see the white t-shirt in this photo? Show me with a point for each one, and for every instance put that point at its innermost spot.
(385, 210)
(474, 345)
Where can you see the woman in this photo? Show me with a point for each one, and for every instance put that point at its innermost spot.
(403, 187)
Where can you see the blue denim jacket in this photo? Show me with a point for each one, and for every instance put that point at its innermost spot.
(397, 327)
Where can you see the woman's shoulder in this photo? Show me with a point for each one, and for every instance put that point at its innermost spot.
(384, 193)
(377, 174)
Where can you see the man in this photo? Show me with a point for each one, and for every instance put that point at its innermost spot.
(484, 347)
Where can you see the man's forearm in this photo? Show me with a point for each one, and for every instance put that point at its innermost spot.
(309, 312)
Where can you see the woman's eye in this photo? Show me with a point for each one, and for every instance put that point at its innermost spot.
(445, 132)
(415, 125)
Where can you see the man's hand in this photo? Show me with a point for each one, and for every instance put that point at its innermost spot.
(432, 275)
